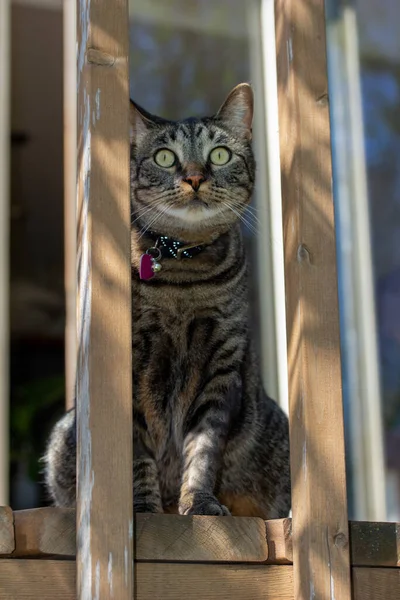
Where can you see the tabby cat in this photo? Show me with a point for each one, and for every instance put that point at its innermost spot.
(207, 439)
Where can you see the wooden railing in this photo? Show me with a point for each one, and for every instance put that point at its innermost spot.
(315, 556)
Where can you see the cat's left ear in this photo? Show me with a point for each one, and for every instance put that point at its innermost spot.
(237, 110)
(139, 122)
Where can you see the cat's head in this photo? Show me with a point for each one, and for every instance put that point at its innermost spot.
(192, 179)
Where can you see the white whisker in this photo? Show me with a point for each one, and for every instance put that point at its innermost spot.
(242, 218)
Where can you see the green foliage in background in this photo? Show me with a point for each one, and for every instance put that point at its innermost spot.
(35, 406)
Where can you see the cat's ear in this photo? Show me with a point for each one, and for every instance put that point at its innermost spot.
(139, 122)
(237, 110)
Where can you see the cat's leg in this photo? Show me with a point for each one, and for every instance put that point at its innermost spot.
(60, 462)
(204, 444)
(60, 469)
(146, 485)
(255, 479)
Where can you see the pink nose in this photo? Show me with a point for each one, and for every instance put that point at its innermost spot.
(195, 181)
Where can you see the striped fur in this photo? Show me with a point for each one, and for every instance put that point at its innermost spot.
(207, 438)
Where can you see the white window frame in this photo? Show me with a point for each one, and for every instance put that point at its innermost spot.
(354, 253)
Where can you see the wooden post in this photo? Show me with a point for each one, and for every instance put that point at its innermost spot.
(69, 46)
(5, 58)
(320, 526)
(104, 395)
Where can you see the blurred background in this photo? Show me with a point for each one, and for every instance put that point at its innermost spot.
(185, 56)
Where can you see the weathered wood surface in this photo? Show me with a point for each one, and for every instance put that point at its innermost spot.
(46, 532)
(197, 539)
(37, 580)
(371, 544)
(49, 531)
(6, 530)
(320, 526)
(50, 579)
(375, 544)
(104, 394)
(279, 539)
(376, 584)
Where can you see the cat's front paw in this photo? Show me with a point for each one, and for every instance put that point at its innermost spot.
(202, 504)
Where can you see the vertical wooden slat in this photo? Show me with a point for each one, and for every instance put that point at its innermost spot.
(5, 28)
(104, 395)
(69, 48)
(320, 527)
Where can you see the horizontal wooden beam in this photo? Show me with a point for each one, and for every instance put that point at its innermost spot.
(371, 544)
(376, 584)
(375, 544)
(49, 579)
(6, 530)
(45, 532)
(51, 532)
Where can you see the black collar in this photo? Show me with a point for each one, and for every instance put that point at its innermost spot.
(171, 248)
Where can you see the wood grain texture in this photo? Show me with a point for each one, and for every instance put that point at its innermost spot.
(104, 394)
(45, 532)
(320, 527)
(375, 544)
(376, 584)
(279, 539)
(37, 580)
(48, 580)
(51, 531)
(6, 530)
(371, 544)
(197, 539)
(168, 581)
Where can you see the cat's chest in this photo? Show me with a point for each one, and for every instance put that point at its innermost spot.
(177, 322)
(175, 334)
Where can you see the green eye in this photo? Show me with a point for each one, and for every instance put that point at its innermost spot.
(220, 156)
(165, 158)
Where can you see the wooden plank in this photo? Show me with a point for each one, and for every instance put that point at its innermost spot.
(376, 584)
(49, 531)
(375, 544)
(45, 532)
(320, 527)
(197, 539)
(371, 544)
(37, 580)
(47, 580)
(33, 579)
(104, 394)
(6, 530)
(172, 581)
(279, 539)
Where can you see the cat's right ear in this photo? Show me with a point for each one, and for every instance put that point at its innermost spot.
(237, 110)
(139, 123)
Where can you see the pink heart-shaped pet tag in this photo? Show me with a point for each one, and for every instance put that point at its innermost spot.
(146, 267)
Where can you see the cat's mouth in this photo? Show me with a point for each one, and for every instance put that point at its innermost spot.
(196, 203)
